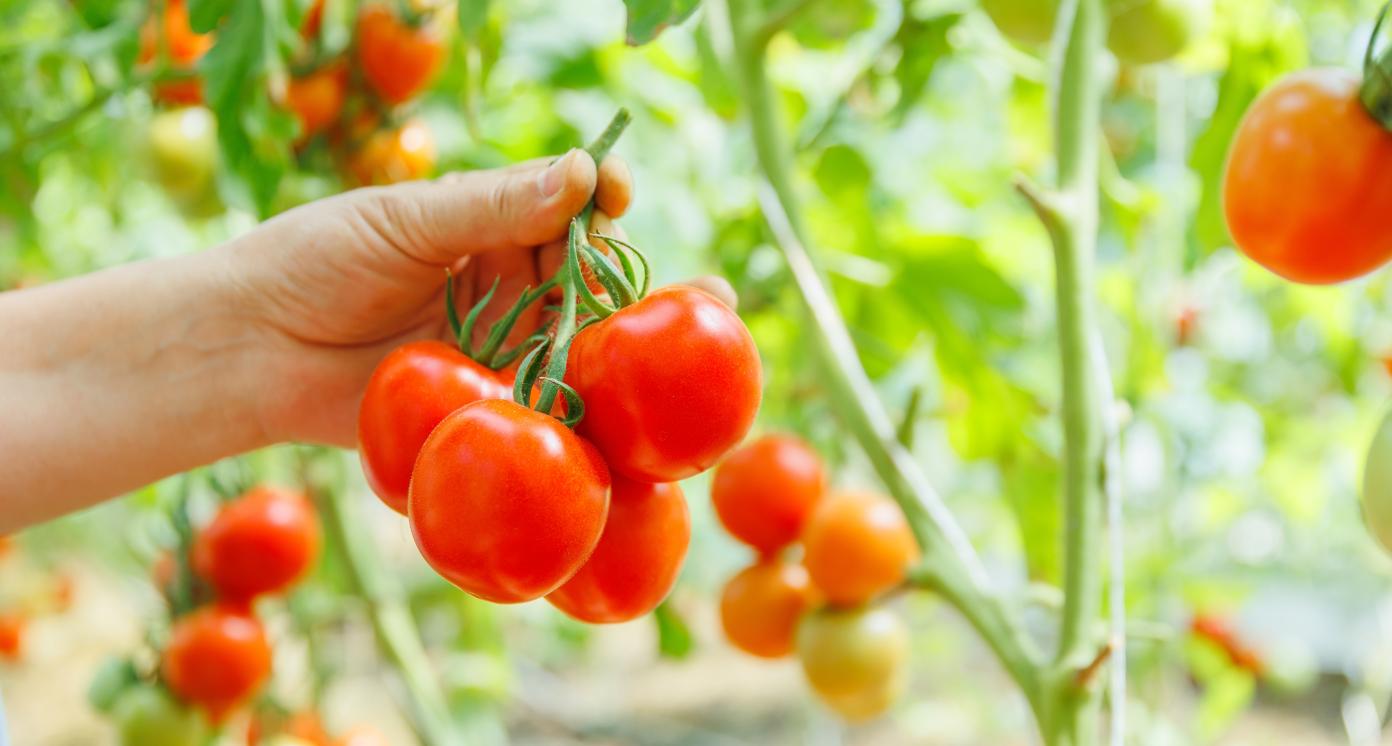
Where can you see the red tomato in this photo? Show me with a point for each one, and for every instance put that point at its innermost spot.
(317, 98)
(413, 388)
(764, 492)
(507, 503)
(858, 546)
(670, 384)
(392, 156)
(217, 658)
(313, 20)
(12, 627)
(262, 542)
(761, 606)
(638, 557)
(183, 46)
(1308, 186)
(397, 60)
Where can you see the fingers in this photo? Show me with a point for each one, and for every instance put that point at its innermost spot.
(615, 187)
(717, 286)
(473, 212)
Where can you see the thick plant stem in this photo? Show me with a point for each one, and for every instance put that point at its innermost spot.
(951, 565)
(392, 622)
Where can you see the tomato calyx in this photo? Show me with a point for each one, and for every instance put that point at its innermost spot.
(491, 354)
(1376, 92)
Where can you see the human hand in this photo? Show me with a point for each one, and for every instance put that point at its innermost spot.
(335, 285)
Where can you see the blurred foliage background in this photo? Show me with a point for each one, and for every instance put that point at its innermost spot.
(1250, 400)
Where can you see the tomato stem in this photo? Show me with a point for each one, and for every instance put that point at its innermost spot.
(1376, 92)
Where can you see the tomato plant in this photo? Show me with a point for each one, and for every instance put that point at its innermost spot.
(670, 384)
(507, 503)
(149, 716)
(262, 542)
(638, 557)
(764, 491)
(216, 659)
(171, 35)
(398, 59)
(762, 604)
(1146, 31)
(390, 156)
(858, 546)
(1308, 184)
(184, 153)
(414, 387)
(1025, 21)
(317, 97)
(855, 659)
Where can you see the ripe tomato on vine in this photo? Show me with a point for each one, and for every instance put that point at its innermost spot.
(171, 33)
(260, 543)
(398, 57)
(858, 546)
(217, 658)
(761, 606)
(764, 492)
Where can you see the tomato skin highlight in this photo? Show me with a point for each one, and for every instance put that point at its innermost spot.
(217, 658)
(507, 503)
(263, 542)
(393, 156)
(762, 604)
(397, 60)
(858, 545)
(764, 492)
(638, 557)
(670, 384)
(1307, 189)
(414, 387)
(854, 659)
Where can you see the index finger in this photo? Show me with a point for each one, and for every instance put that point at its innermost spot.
(614, 186)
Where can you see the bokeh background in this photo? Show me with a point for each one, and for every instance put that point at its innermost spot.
(1251, 401)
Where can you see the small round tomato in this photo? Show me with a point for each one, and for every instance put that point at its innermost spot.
(317, 98)
(855, 659)
(1142, 32)
(412, 389)
(858, 546)
(183, 151)
(506, 502)
(392, 156)
(638, 557)
(183, 46)
(1377, 486)
(397, 60)
(1024, 21)
(1308, 185)
(217, 658)
(764, 491)
(148, 716)
(761, 605)
(670, 384)
(12, 627)
(262, 542)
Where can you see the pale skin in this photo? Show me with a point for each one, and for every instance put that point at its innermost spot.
(114, 380)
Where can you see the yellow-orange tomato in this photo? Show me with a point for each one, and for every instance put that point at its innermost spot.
(1308, 187)
(762, 604)
(317, 98)
(764, 491)
(858, 546)
(855, 659)
(12, 627)
(395, 155)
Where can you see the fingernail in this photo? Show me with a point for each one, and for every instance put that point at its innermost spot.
(554, 177)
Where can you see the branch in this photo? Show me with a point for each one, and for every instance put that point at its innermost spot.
(779, 19)
(1088, 673)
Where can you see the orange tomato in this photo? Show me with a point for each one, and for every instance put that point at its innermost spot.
(395, 155)
(858, 545)
(397, 59)
(762, 604)
(183, 46)
(764, 491)
(1308, 185)
(317, 98)
(12, 626)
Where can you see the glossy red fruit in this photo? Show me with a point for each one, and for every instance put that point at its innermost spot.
(262, 542)
(217, 658)
(507, 503)
(638, 557)
(1308, 186)
(397, 59)
(410, 392)
(858, 546)
(670, 384)
(764, 491)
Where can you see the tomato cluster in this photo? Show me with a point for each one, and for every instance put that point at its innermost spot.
(856, 547)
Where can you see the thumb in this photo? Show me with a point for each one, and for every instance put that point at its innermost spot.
(472, 212)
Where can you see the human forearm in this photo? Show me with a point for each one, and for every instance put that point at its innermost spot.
(114, 380)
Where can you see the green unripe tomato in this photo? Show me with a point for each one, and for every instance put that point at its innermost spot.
(1023, 21)
(1377, 486)
(149, 716)
(1147, 31)
(184, 152)
(855, 659)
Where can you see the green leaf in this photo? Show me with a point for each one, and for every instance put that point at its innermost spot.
(922, 44)
(647, 18)
(674, 638)
(114, 677)
(204, 15)
(473, 15)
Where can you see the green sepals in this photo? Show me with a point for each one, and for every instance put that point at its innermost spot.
(452, 313)
(505, 359)
(575, 406)
(528, 372)
(619, 289)
(499, 331)
(1376, 91)
(466, 333)
(592, 302)
(621, 246)
(115, 677)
